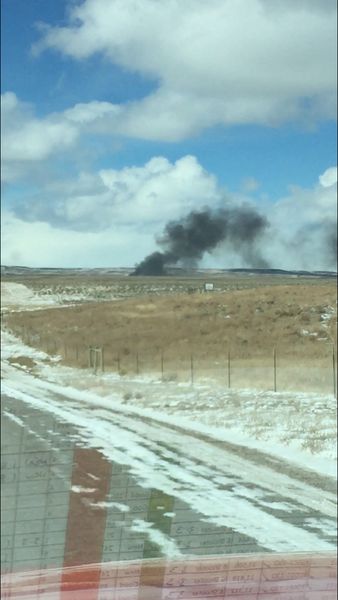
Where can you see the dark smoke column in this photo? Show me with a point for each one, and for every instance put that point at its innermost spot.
(187, 240)
(151, 265)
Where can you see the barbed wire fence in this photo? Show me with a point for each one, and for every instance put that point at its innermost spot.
(229, 367)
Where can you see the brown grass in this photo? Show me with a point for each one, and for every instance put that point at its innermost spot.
(249, 323)
(23, 361)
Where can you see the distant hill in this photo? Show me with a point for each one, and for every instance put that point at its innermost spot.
(173, 271)
(34, 271)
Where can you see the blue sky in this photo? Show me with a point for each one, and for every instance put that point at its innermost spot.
(140, 111)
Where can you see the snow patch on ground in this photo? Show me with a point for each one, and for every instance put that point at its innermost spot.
(19, 296)
(168, 546)
(298, 427)
(79, 489)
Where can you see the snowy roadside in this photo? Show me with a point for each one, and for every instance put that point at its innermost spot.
(16, 296)
(296, 427)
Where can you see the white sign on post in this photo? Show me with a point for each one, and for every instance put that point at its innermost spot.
(208, 287)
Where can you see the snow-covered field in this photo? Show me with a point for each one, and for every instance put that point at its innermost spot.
(186, 440)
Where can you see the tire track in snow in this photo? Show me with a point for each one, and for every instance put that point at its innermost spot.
(120, 443)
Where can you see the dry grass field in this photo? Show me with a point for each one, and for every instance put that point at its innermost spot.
(84, 287)
(163, 322)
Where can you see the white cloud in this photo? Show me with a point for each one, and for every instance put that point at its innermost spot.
(161, 190)
(215, 61)
(26, 138)
(144, 196)
(329, 177)
(307, 207)
(86, 113)
(37, 244)
(304, 227)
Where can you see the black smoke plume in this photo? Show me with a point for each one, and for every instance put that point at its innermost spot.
(187, 240)
(331, 242)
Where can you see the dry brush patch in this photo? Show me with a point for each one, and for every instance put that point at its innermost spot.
(137, 333)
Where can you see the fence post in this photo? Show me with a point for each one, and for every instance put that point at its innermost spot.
(95, 360)
(137, 364)
(90, 357)
(334, 372)
(192, 369)
(162, 364)
(229, 369)
(102, 359)
(275, 370)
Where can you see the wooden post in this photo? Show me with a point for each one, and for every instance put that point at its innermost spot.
(95, 360)
(229, 369)
(334, 372)
(275, 370)
(162, 364)
(102, 359)
(118, 363)
(137, 364)
(192, 369)
(90, 364)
